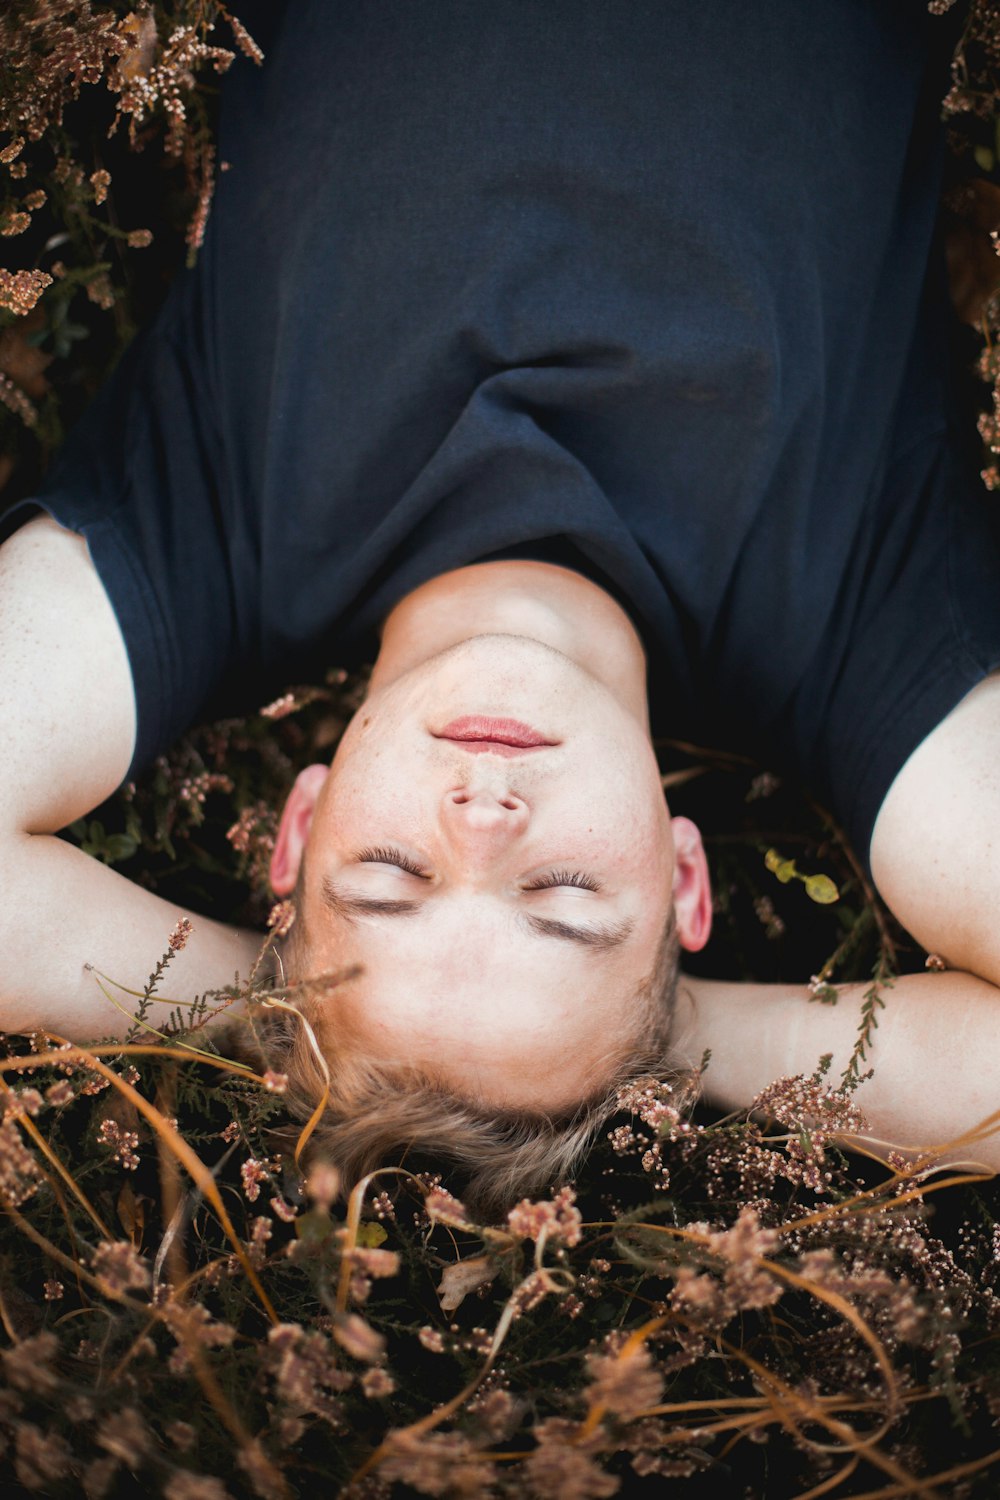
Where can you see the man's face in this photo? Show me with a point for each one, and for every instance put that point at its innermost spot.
(504, 901)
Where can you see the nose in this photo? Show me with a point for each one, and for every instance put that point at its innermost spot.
(487, 817)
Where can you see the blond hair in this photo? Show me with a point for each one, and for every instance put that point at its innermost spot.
(379, 1114)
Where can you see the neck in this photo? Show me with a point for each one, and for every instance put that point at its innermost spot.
(537, 600)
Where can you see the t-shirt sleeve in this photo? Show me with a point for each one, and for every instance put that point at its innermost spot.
(139, 479)
(926, 631)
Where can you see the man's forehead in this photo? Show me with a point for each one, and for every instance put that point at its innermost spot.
(495, 1047)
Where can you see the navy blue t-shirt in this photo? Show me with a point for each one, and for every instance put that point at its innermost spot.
(639, 287)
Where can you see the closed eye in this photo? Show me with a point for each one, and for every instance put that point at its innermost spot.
(390, 856)
(557, 878)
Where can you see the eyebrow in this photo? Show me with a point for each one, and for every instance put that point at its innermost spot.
(602, 936)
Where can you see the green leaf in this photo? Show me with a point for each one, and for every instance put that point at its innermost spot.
(92, 837)
(984, 158)
(821, 888)
(119, 846)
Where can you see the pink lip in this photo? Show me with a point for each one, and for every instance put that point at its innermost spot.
(503, 736)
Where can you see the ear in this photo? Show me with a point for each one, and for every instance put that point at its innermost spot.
(293, 831)
(692, 888)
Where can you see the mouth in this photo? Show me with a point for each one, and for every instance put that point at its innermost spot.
(502, 736)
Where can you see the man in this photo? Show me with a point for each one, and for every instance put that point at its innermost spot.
(548, 342)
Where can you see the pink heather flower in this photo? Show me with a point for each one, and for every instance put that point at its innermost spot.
(42, 1458)
(281, 917)
(178, 938)
(558, 1219)
(377, 1383)
(125, 1143)
(28, 1365)
(280, 708)
(383, 1207)
(183, 1485)
(244, 40)
(377, 1263)
(22, 1102)
(180, 1435)
(622, 1139)
(436, 1463)
(657, 1103)
(95, 1086)
(275, 1083)
(12, 396)
(118, 1265)
(195, 789)
(358, 1338)
(496, 1412)
(260, 1233)
(253, 1173)
(442, 1207)
(192, 1324)
(625, 1384)
(306, 1371)
(15, 222)
(323, 1184)
(101, 292)
(359, 1287)
(562, 1466)
(532, 1290)
(19, 1173)
(124, 1435)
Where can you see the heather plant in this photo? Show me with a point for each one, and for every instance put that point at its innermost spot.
(90, 229)
(190, 1306)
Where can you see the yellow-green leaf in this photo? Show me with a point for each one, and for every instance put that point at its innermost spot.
(822, 889)
(314, 1227)
(371, 1234)
(782, 869)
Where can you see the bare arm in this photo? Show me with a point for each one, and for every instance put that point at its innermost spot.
(936, 845)
(936, 861)
(936, 1053)
(67, 728)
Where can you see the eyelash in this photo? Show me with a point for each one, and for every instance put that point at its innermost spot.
(564, 877)
(386, 856)
(382, 856)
